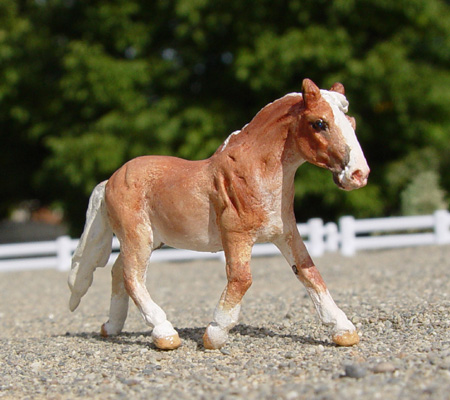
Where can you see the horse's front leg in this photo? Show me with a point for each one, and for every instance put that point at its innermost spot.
(226, 315)
(294, 250)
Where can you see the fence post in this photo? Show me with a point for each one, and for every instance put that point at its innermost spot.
(63, 253)
(331, 237)
(348, 236)
(441, 226)
(315, 237)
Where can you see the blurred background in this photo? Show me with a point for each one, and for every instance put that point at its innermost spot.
(87, 85)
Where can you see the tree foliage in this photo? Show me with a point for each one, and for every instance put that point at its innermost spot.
(85, 86)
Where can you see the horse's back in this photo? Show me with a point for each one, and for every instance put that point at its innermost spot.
(172, 195)
(147, 173)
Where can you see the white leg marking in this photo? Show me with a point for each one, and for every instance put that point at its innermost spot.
(227, 319)
(329, 312)
(155, 316)
(223, 321)
(118, 308)
(152, 313)
(117, 314)
(163, 330)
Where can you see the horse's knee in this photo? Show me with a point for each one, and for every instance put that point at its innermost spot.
(241, 282)
(245, 282)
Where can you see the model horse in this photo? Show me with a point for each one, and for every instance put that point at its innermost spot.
(243, 194)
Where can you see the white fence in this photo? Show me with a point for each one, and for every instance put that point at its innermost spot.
(349, 237)
(368, 234)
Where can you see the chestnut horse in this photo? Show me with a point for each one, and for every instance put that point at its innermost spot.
(241, 195)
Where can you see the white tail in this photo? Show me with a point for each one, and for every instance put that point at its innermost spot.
(94, 247)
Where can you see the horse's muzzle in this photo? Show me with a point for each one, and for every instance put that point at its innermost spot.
(351, 178)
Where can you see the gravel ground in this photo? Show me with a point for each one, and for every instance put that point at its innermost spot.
(398, 299)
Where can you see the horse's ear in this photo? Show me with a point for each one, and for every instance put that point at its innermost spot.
(310, 92)
(338, 87)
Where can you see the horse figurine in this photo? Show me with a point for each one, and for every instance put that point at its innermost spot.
(243, 194)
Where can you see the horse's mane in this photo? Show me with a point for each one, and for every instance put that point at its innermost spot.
(291, 103)
(335, 98)
(270, 114)
(285, 107)
(279, 109)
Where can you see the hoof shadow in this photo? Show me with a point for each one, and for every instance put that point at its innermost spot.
(196, 335)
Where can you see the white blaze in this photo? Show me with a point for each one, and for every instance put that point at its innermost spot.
(357, 161)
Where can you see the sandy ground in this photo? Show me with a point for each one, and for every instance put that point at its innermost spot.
(398, 299)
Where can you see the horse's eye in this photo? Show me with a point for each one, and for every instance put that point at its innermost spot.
(319, 125)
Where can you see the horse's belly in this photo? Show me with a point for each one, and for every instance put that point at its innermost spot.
(196, 230)
(191, 238)
(194, 243)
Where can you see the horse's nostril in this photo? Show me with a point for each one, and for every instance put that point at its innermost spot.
(357, 175)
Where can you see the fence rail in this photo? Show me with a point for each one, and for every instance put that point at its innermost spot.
(368, 234)
(349, 236)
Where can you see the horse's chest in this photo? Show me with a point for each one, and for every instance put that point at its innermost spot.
(268, 205)
(273, 219)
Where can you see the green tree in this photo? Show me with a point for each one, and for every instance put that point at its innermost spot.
(85, 86)
(21, 107)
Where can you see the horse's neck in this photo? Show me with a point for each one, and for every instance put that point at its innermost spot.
(276, 115)
(275, 128)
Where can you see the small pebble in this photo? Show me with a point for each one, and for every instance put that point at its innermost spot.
(225, 351)
(131, 382)
(355, 371)
(384, 367)
(445, 363)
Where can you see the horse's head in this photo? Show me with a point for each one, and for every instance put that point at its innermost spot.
(326, 135)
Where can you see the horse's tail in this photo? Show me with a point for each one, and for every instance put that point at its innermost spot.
(94, 247)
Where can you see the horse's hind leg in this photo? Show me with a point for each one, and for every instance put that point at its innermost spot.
(119, 302)
(136, 254)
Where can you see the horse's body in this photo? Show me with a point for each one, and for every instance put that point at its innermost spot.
(241, 195)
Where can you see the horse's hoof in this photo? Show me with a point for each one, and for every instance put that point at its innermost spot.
(103, 331)
(207, 342)
(167, 342)
(107, 330)
(346, 338)
(214, 338)
(165, 337)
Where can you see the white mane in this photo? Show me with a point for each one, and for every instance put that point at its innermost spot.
(335, 98)
(225, 144)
